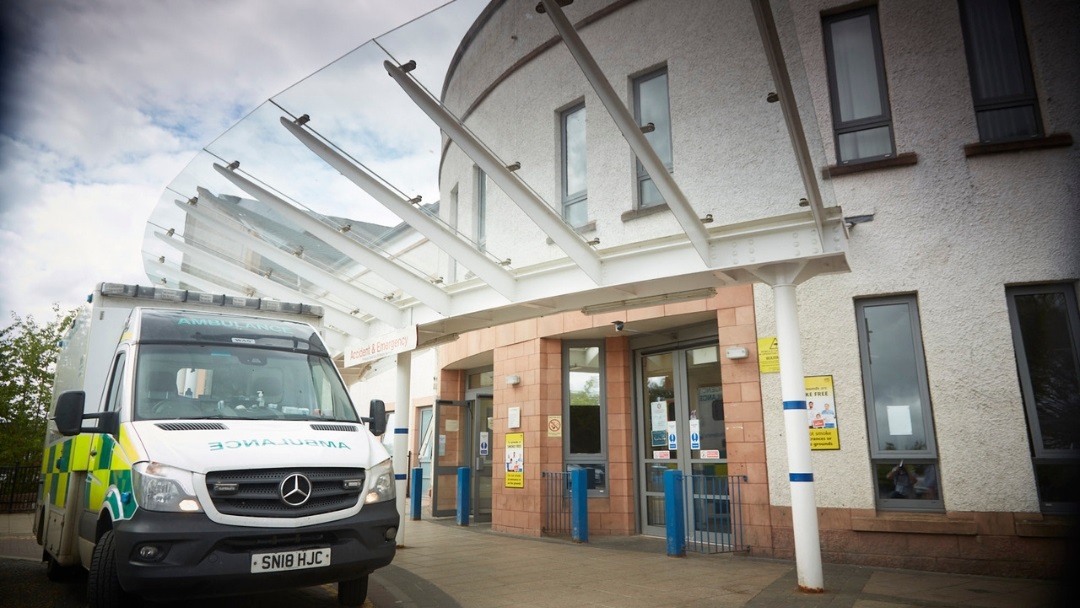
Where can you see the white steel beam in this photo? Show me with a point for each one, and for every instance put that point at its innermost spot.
(366, 302)
(495, 275)
(420, 288)
(234, 271)
(631, 131)
(770, 39)
(535, 207)
(201, 284)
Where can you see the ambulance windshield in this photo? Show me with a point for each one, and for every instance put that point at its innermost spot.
(191, 382)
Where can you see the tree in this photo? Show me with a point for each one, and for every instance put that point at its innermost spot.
(27, 365)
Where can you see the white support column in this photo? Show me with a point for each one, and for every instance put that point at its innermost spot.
(402, 407)
(804, 520)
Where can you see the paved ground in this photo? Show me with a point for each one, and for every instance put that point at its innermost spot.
(444, 566)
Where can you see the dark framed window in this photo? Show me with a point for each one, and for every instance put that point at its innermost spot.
(903, 452)
(651, 106)
(585, 412)
(574, 166)
(1046, 338)
(481, 209)
(862, 121)
(1002, 86)
(453, 220)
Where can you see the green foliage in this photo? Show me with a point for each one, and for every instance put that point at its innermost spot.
(27, 365)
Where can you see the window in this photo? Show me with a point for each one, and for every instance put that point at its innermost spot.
(1001, 82)
(574, 166)
(481, 209)
(902, 448)
(1046, 338)
(584, 412)
(860, 98)
(651, 106)
(453, 212)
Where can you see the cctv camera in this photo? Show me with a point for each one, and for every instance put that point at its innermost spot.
(618, 325)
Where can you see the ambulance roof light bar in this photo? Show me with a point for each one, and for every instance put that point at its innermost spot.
(166, 294)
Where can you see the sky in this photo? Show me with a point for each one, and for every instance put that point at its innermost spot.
(104, 102)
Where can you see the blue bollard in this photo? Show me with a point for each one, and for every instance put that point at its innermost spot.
(417, 488)
(463, 488)
(673, 513)
(579, 505)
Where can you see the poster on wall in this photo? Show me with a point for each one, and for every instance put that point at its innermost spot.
(515, 460)
(821, 413)
(768, 356)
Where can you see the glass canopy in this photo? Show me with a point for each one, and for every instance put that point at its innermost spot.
(343, 190)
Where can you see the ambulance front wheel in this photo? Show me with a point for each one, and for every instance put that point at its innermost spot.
(103, 588)
(353, 592)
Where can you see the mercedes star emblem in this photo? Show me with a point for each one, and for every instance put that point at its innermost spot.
(295, 490)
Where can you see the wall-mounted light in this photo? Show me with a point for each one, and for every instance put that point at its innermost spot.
(737, 352)
(513, 380)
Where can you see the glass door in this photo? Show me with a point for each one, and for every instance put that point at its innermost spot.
(450, 450)
(483, 412)
(682, 414)
(462, 437)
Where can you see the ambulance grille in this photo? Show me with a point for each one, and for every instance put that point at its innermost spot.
(191, 426)
(335, 427)
(258, 493)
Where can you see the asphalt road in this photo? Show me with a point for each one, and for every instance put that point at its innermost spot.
(23, 584)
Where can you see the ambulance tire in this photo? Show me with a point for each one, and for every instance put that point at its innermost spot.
(103, 588)
(353, 592)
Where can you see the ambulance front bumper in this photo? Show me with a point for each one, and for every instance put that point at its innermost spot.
(169, 555)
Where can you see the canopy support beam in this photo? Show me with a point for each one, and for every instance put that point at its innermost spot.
(535, 207)
(631, 132)
(418, 287)
(496, 276)
(364, 301)
(233, 271)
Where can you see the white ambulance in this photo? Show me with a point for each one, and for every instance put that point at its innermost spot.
(204, 445)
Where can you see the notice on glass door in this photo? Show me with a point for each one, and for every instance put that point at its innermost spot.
(515, 460)
(658, 411)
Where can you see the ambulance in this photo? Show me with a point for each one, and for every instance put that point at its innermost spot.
(204, 445)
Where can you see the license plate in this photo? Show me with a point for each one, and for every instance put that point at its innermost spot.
(289, 560)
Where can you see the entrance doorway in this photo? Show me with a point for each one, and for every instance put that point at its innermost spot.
(681, 407)
(462, 437)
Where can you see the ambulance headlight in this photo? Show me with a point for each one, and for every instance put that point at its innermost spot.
(159, 487)
(380, 482)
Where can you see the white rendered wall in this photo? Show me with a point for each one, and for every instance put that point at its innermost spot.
(953, 230)
(731, 154)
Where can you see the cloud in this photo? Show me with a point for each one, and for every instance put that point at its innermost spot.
(105, 102)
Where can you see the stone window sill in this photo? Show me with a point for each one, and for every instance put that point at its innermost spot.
(914, 523)
(905, 159)
(1057, 140)
(634, 214)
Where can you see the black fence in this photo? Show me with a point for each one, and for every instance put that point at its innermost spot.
(18, 488)
(556, 503)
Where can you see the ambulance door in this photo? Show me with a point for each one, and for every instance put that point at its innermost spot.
(102, 449)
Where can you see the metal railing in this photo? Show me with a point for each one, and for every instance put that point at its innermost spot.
(556, 503)
(713, 509)
(18, 488)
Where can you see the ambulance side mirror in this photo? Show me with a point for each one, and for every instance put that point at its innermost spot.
(69, 416)
(376, 418)
(69, 412)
